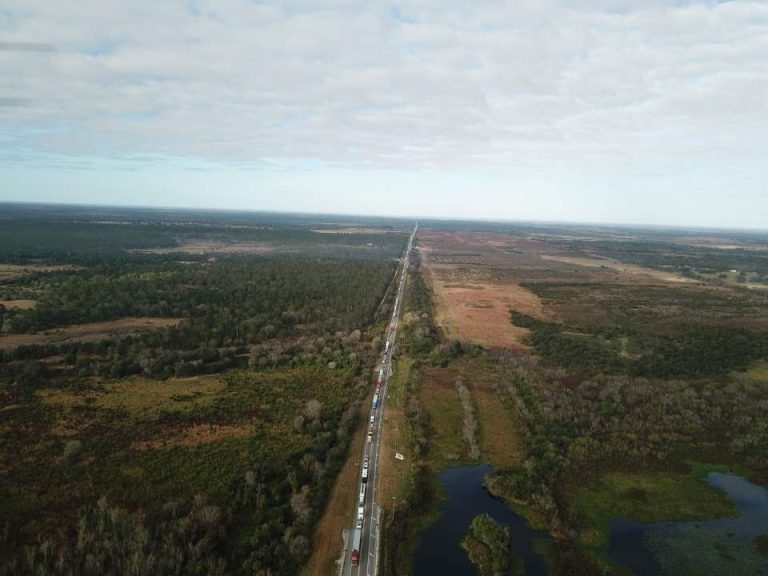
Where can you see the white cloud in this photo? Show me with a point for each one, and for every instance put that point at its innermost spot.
(539, 85)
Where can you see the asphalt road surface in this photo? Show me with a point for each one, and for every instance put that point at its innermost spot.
(369, 537)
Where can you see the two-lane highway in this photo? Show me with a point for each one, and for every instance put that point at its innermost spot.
(362, 547)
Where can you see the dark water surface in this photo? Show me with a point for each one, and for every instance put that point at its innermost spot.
(713, 547)
(439, 549)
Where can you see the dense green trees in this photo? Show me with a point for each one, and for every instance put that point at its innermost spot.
(691, 351)
(294, 333)
(488, 544)
(240, 506)
(419, 333)
(272, 310)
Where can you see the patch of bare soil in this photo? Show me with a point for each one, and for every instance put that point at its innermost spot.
(480, 312)
(12, 271)
(18, 304)
(473, 278)
(618, 266)
(354, 230)
(212, 247)
(90, 332)
(195, 435)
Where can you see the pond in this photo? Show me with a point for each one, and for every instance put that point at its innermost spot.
(439, 549)
(724, 546)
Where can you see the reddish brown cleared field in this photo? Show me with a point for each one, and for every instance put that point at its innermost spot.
(477, 278)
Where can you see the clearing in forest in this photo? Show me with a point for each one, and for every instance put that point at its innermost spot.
(499, 432)
(470, 304)
(480, 312)
(394, 474)
(18, 304)
(618, 266)
(140, 396)
(13, 271)
(355, 230)
(89, 332)
(437, 394)
(211, 247)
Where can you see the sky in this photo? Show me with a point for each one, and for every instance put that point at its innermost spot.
(643, 111)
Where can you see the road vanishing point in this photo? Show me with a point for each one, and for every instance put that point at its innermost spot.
(363, 541)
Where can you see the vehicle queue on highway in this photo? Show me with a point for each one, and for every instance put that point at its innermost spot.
(370, 451)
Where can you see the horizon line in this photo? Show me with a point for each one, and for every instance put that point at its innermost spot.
(413, 218)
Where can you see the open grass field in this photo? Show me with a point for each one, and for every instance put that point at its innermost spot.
(619, 266)
(500, 434)
(759, 372)
(395, 474)
(87, 332)
(16, 271)
(199, 247)
(479, 312)
(139, 397)
(355, 230)
(438, 397)
(19, 304)
(478, 278)
(472, 300)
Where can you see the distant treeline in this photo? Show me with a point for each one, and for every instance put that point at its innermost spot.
(75, 242)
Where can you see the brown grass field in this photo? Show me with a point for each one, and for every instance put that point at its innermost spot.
(355, 230)
(619, 266)
(212, 247)
(480, 312)
(195, 435)
(394, 474)
(140, 396)
(472, 300)
(90, 332)
(438, 396)
(13, 271)
(18, 304)
(476, 279)
(499, 432)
